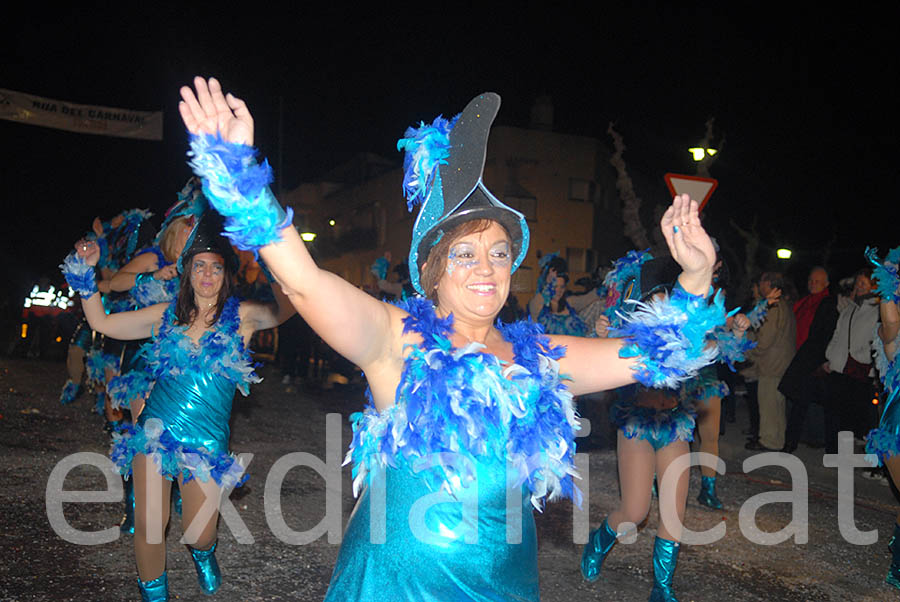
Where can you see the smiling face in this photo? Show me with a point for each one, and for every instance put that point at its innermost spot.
(207, 275)
(862, 285)
(475, 283)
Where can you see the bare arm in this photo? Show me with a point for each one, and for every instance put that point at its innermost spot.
(123, 280)
(890, 326)
(260, 316)
(535, 305)
(126, 325)
(593, 364)
(353, 323)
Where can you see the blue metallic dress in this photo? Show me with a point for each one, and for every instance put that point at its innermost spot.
(450, 474)
(184, 425)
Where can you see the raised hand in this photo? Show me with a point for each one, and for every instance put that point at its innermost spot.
(166, 272)
(689, 243)
(773, 296)
(88, 250)
(210, 111)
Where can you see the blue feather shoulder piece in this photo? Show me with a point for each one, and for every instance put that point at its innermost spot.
(670, 338)
(238, 188)
(885, 273)
(426, 147)
(757, 315)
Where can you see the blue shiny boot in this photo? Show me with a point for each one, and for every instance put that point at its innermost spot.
(208, 575)
(127, 524)
(70, 392)
(893, 576)
(600, 542)
(707, 495)
(665, 557)
(155, 590)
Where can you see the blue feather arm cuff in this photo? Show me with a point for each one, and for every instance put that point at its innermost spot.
(885, 273)
(757, 315)
(79, 275)
(238, 188)
(670, 338)
(380, 268)
(731, 348)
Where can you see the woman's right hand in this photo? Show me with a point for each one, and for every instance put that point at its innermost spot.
(210, 111)
(88, 250)
(166, 272)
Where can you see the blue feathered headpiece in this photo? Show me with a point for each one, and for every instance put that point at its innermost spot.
(623, 283)
(191, 202)
(885, 273)
(443, 171)
(426, 147)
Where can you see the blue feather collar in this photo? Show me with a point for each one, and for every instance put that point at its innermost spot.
(465, 404)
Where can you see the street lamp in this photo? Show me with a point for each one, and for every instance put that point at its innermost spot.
(308, 236)
(700, 153)
(783, 253)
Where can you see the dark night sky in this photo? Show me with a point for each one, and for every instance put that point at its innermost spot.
(807, 102)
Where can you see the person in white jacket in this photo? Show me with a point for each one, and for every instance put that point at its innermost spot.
(849, 354)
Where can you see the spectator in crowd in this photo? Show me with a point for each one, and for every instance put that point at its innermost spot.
(804, 380)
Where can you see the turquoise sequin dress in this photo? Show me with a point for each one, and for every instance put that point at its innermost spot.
(184, 425)
(450, 474)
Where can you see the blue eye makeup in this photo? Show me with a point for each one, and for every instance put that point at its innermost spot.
(464, 255)
(215, 268)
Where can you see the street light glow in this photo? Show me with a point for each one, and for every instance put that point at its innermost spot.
(308, 236)
(700, 153)
(783, 253)
(331, 222)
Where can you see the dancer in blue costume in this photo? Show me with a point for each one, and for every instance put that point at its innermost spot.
(151, 277)
(464, 416)
(197, 358)
(655, 427)
(884, 441)
(552, 308)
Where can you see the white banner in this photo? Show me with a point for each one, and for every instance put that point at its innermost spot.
(85, 119)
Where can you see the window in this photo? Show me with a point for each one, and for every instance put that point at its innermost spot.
(581, 190)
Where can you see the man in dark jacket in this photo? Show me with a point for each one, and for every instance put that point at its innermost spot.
(804, 380)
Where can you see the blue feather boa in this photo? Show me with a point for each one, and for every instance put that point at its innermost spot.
(79, 275)
(149, 291)
(221, 350)
(238, 188)
(464, 404)
(172, 458)
(731, 349)
(380, 268)
(425, 147)
(670, 337)
(885, 273)
(95, 363)
(128, 387)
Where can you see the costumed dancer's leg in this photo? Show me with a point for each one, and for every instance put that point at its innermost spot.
(636, 467)
(671, 506)
(708, 415)
(200, 527)
(893, 576)
(151, 515)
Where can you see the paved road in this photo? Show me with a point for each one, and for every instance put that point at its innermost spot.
(36, 433)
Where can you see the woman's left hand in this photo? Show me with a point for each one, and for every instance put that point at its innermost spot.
(689, 244)
(740, 324)
(210, 111)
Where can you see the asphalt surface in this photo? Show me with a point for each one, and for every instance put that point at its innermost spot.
(36, 563)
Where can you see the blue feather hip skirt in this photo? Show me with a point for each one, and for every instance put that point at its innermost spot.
(184, 429)
(656, 426)
(704, 385)
(884, 441)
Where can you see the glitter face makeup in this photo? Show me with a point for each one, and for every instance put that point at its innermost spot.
(463, 255)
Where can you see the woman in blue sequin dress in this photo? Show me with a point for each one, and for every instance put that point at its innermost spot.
(197, 358)
(469, 426)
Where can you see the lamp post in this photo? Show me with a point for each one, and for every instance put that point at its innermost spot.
(783, 253)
